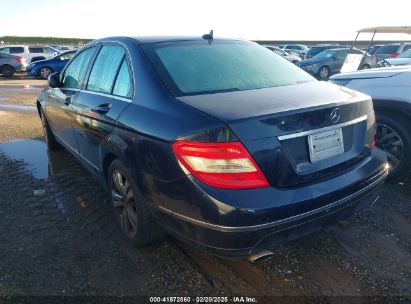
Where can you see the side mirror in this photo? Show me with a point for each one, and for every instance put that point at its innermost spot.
(54, 80)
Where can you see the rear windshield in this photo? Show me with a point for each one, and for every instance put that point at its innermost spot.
(387, 49)
(200, 67)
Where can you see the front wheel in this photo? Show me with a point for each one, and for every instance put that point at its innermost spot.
(323, 72)
(133, 217)
(45, 72)
(394, 137)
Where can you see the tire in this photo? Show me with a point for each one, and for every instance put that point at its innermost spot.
(45, 72)
(365, 67)
(51, 141)
(394, 137)
(323, 72)
(7, 71)
(131, 212)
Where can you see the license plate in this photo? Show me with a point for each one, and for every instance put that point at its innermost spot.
(323, 145)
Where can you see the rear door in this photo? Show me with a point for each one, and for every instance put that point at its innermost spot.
(59, 103)
(107, 93)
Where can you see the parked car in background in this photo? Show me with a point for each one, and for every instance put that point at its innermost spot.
(282, 53)
(62, 48)
(299, 48)
(30, 53)
(402, 59)
(391, 50)
(329, 62)
(10, 64)
(44, 68)
(250, 153)
(374, 48)
(390, 89)
(319, 48)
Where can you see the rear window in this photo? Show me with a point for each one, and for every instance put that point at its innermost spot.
(388, 49)
(200, 67)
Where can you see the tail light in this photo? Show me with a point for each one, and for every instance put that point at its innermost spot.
(393, 55)
(220, 165)
(20, 59)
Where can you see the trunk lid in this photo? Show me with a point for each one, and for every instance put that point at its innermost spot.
(277, 124)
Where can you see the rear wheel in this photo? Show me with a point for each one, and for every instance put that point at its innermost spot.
(7, 70)
(45, 72)
(51, 141)
(131, 212)
(323, 72)
(394, 137)
(365, 67)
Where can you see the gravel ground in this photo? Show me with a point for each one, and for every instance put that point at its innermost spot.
(61, 241)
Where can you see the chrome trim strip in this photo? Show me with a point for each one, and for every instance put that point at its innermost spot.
(275, 223)
(107, 95)
(305, 133)
(76, 152)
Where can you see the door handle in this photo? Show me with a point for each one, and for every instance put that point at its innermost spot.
(102, 109)
(67, 100)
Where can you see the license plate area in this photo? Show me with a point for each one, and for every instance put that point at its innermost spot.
(326, 144)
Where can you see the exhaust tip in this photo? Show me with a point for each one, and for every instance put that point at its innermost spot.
(261, 256)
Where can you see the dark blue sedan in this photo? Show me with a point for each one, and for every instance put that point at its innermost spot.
(219, 142)
(44, 68)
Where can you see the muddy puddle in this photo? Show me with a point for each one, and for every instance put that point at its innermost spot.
(34, 153)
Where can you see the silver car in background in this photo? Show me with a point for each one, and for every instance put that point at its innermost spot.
(390, 89)
(293, 58)
(10, 64)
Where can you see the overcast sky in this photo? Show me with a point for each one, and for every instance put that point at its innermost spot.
(251, 19)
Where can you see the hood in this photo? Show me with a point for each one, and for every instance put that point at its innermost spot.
(372, 73)
(311, 61)
(237, 105)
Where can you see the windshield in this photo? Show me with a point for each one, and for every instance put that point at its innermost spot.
(315, 50)
(406, 54)
(200, 67)
(327, 54)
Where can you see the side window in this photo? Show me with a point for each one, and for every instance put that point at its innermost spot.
(77, 68)
(36, 50)
(123, 86)
(48, 50)
(5, 50)
(105, 69)
(407, 47)
(16, 50)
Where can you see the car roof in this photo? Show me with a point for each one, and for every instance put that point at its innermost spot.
(157, 39)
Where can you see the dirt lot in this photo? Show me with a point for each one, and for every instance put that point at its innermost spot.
(58, 238)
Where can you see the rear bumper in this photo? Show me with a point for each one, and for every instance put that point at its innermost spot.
(249, 238)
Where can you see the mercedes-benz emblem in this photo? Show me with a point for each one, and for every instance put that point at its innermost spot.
(335, 115)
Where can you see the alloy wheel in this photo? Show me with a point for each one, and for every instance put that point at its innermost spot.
(45, 72)
(124, 203)
(323, 72)
(390, 141)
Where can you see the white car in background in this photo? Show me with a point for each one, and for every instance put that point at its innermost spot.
(390, 89)
(30, 53)
(402, 59)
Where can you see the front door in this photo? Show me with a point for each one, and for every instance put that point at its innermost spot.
(60, 100)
